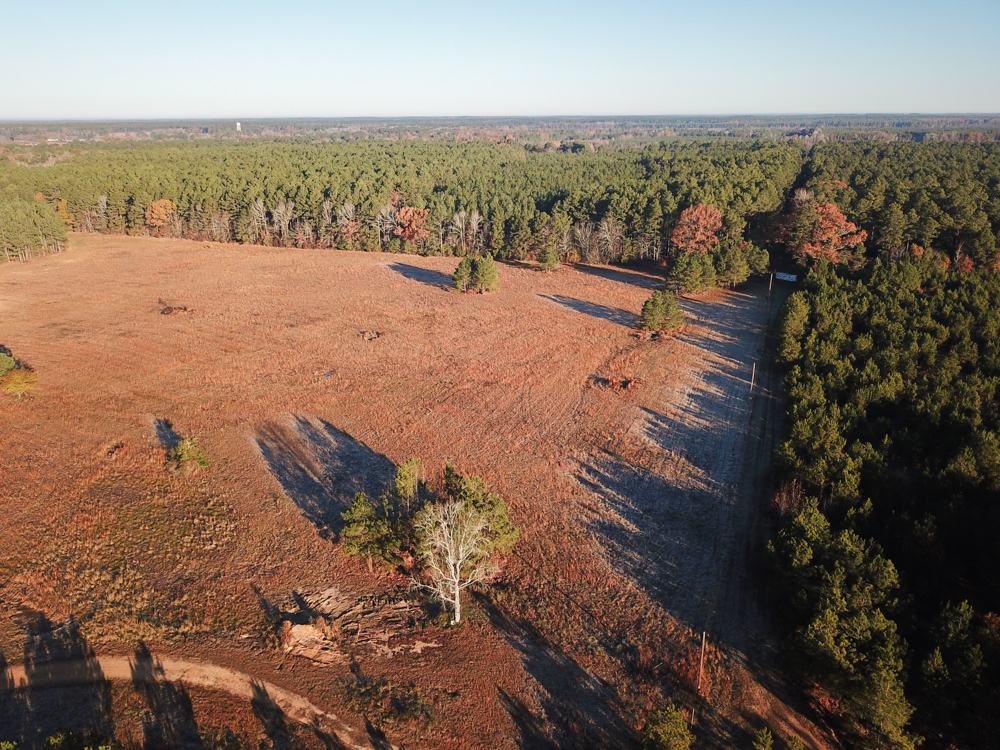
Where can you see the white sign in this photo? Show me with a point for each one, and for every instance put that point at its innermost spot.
(786, 277)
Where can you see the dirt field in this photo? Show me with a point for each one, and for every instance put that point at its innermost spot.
(640, 507)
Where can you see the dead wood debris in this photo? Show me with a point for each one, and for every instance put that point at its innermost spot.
(324, 626)
(370, 335)
(617, 384)
(172, 309)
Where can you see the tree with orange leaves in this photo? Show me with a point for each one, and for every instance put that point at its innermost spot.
(411, 224)
(822, 232)
(158, 213)
(697, 229)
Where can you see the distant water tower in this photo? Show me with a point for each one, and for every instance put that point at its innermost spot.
(237, 127)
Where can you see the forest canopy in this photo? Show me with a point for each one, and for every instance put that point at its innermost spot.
(606, 205)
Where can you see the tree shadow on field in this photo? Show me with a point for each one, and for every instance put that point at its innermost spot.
(321, 468)
(271, 717)
(165, 433)
(611, 314)
(577, 709)
(725, 331)
(423, 275)
(63, 688)
(641, 280)
(168, 721)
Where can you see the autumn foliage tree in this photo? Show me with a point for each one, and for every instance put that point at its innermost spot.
(411, 224)
(697, 229)
(822, 232)
(158, 214)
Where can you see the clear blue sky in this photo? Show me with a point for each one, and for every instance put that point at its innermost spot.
(308, 58)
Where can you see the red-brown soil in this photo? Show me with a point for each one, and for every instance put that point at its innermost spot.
(640, 507)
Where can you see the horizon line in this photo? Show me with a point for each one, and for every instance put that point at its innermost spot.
(251, 118)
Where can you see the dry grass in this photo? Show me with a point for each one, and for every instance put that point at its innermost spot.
(294, 407)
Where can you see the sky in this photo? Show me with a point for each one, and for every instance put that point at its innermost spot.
(67, 59)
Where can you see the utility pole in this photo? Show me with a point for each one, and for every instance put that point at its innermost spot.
(770, 284)
(753, 378)
(701, 666)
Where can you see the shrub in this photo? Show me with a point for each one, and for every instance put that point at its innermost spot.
(666, 730)
(7, 363)
(187, 452)
(18, 381)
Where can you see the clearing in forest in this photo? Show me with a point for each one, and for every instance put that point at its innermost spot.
(640, 507)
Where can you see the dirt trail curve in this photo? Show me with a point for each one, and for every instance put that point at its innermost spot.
(198, 674)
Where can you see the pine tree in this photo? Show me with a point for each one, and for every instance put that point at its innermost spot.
(368, 534)
(660, 313)
(548, 259)
(692, 273)
(485, 276)
(463, 274)
(666, 730)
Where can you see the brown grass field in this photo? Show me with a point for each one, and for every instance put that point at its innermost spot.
(642, 510)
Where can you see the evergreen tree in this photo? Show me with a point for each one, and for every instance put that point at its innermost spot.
(485, 276)
(368, 533)
(691, 273)
(660, 313)
(463, 274)
(548, 259)
(666, 730)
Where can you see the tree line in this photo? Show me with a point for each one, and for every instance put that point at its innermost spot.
(888, 560)
(603, 205)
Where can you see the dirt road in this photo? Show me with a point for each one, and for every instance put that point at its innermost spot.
(99, 669)
(683, 485)
(679, 499)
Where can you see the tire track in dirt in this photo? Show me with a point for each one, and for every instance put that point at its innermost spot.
(198, 674)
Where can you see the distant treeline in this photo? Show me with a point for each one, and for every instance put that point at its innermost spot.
(889, 559)
(630, 130)
(607, 205)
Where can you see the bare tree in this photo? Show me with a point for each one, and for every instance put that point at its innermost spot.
(583, 233)
(385, 223)
(455, 549)
(801, 196)
(101, 212)
(564, 244)
(175, 225)
(346, 214)
(303, 232)
(458, 229)
(474, 231)
(257, 222)
(282, 216)
(609, 239)
(326, 224)
(219, 227)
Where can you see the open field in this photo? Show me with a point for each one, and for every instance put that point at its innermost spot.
(640, 508)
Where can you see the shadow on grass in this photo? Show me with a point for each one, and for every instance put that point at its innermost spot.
(321, 468)
(635, 278)
(64, 688)
(165, 433)
(610, 314)
(577, 709)
(423, 275)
